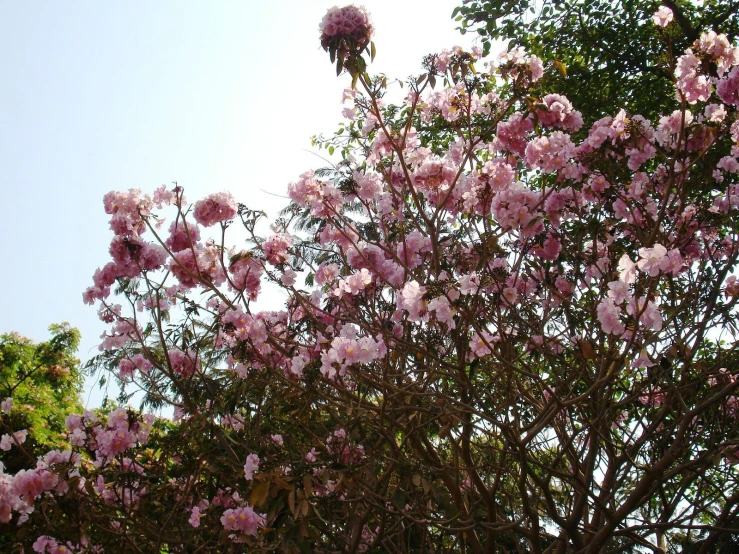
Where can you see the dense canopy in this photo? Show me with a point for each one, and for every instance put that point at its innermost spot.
(500, 329)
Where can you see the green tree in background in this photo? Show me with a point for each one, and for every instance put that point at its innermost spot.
(44, 381)
(609, 56)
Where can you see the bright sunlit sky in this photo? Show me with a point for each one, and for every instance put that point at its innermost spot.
(99, 96)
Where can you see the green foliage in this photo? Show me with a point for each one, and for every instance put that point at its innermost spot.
(44, 381)
(611, 58)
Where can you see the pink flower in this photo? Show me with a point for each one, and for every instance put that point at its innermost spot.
(182, 236)
(557, 112)
(243, 519)
(550, 250)
(651, 258)
(215, 208)
(550, 153)
(127, 210)
(443, 311)
(512, 134)
(251, 465)
(184, 363)
(47, 545)
(235, 422)
(626, 269)
(350, 22)
(619, 292)
(609, 317)
(195, 516)
(648, 313)
(311, 456)
(246, 273)
(326, 273)
(6, 405)
(288, 278)
(662, 16)
(275, 248)
(693, 86)
(469, 284)
(411, 299)
(479, 344)
(642, 360)
(517, 63)
(19, 437)
(732, 286)
(728, 88)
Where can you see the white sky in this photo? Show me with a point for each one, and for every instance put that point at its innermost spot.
(98, 96)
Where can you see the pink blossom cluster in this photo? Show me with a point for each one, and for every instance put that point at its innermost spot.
(556, 111)
(127, 211)
(609, 316)
(244, 520)
(376, 259)
(47, 545)
(350, 22)
(353, 284)
(517, 207)
(481, 342)
(447, 58)
(348, 349)
(276, 247)
(322, 197)
(694, 84)
(237, 325)
(131, 255)
(19, 492)
(550, 153)
(519, 65)
(127, 366)
(123, 430)
(246, 275)
(18, 437)
(658, 259)
(215, 208)
(251, 466)
(411, 251)
(663, 16)
(198, 265)
(412, 299)
(340, 445)
(182, 236)
(184, 362)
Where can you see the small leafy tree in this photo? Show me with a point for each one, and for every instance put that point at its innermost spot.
(496, 337)
(44, 382)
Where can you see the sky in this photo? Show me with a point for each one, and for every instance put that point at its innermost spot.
(99, 96)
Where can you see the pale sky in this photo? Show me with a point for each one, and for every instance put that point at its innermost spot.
(100, 96)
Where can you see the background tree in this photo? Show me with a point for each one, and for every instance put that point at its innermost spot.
(44, 381)
(611, 57)
(40, 385)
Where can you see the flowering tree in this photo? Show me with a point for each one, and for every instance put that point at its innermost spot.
(605, 55)
(501, 332)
